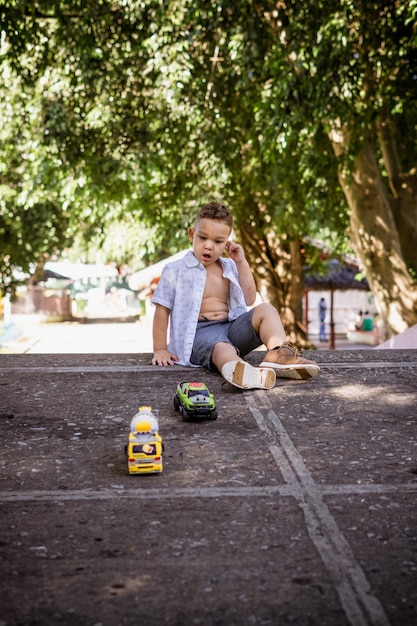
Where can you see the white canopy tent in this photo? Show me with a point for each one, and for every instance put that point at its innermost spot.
(143, 278)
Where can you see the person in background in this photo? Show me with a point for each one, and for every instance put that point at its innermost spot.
(322, 318)
(367, 322)
(359, 320)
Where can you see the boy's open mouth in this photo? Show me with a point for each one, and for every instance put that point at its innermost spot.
(206, 256)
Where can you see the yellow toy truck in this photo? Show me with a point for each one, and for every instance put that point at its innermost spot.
(144, 448)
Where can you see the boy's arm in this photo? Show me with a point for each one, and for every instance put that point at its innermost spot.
(246, 280)
(161, 356)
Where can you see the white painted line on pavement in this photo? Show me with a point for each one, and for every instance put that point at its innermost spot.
(360, 605)
(366, 488)
(158, 370)
(98, 368)
(201, 492)
(138, 493)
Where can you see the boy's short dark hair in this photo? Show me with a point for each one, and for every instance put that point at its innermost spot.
(215, 211)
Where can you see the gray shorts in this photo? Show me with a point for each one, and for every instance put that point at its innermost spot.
(240, 333)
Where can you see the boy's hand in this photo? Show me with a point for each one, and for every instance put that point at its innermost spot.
(235, 251)
(164, 357)
(246, 280)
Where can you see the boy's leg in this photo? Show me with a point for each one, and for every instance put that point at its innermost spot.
(213, 349)
(222, 353)
(267, 323)
(282, 356)
(242, 339)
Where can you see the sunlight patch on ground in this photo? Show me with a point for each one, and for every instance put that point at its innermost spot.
(387, 395)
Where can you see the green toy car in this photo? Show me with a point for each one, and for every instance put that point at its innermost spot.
(195, 402)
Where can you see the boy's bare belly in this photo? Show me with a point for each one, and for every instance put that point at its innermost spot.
(213, 309)
(214, 306)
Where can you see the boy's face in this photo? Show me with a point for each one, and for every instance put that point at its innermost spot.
(209, 238)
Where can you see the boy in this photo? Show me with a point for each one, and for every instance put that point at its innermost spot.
(204, 297)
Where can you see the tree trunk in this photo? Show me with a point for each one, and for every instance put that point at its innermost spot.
(375, 236)
(404, 191)
(277, 267)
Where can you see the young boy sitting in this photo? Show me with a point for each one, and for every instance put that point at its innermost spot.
(203, 298)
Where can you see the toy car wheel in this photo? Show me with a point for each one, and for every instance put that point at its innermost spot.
(213, 415)
(185, 415)
(176, 403)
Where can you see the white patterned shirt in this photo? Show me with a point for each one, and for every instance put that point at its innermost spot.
(181, 289)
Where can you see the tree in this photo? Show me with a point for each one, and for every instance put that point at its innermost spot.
(277, 199)
(150, 107)
(32, 218)
(350, 67)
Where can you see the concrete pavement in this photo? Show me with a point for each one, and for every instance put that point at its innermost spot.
(297, 506)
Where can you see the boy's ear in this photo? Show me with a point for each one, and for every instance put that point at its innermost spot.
(191, 233)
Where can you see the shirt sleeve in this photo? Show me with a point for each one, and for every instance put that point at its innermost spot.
(165, 291)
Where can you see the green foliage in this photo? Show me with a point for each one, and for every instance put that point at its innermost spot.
(344, 62)
(32, 218)
(134, 113)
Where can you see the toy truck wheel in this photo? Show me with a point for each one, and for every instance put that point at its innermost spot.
(176, 403)
(213, 414)
(185, 415)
